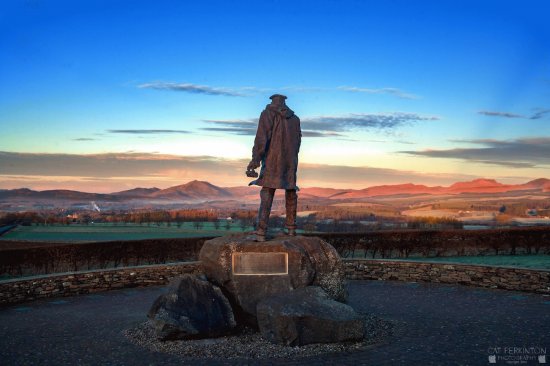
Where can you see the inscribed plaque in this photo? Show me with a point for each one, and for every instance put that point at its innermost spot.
(256, 263)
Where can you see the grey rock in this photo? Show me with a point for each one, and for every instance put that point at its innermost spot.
(306, 316)
(311, 261)
(192, 308)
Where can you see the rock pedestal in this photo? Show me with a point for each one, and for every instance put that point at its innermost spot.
(308, 315)
(292, 288)
(250, 271)
(192, 308)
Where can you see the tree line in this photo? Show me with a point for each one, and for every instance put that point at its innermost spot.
(340, 221)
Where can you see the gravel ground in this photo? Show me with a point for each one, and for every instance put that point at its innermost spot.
(249, 343)
(432, 324)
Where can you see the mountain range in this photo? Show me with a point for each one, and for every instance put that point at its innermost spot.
(196, 191)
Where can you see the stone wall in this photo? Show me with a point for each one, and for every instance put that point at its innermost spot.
(509, 278)
(74, 283)
(68, 284)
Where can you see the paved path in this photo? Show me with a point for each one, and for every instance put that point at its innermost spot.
(439, 325)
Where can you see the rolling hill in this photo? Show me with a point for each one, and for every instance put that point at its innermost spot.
(137, 192)
(197, 191)
(194, 190)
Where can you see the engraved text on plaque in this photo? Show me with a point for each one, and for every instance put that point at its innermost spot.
(251, 263)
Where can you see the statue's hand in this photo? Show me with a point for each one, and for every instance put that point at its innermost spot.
(251, 173)
(250, 169)
(252, 165)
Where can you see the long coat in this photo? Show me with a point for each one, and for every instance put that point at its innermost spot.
(276, 147)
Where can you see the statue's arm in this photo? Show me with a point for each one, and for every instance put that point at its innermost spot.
(300, 134)
(261, 142)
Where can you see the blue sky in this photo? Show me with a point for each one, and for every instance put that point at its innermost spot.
(390, 91)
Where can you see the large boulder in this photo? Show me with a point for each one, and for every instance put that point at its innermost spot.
(308, 315)
(192, 308)
(311, 261)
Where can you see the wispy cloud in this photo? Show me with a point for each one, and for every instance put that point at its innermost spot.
(232, 92)
(404, 142)
(309, 133)
(236, 127)
(391, 91)
(293, 88)
(191, 88)
(253, 90)
(327, 126)
(237, 123)
(248, 127)
(538, 114)
(501, 114)
(147, 132)
(363, 121)
(519, 153)
(84, 139)
(232, 130)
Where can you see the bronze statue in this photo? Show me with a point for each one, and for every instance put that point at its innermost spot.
(276, 148)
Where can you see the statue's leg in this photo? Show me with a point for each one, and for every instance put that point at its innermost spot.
(291, 205)
(266, 200)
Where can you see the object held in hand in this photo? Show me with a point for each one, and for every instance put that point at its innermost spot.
(251, 173)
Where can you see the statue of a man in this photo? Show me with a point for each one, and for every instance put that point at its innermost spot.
(276, 148)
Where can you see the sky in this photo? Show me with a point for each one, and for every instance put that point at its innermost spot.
(103, 96)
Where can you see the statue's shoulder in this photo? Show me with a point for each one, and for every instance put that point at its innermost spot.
(270, 109)
(269, 112)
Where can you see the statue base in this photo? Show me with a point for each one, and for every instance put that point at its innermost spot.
(249, 271)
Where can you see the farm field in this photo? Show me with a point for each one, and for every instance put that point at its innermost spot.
(450, 213)
(107, 232)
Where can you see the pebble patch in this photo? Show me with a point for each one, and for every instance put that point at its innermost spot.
(249, 343)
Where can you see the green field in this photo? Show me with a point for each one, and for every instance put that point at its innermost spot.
(538, 261)
(108, 232)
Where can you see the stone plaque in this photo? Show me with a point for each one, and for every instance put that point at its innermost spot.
(251, 263)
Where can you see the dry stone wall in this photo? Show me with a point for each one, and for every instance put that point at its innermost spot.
(69, 284)
(509, 278)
